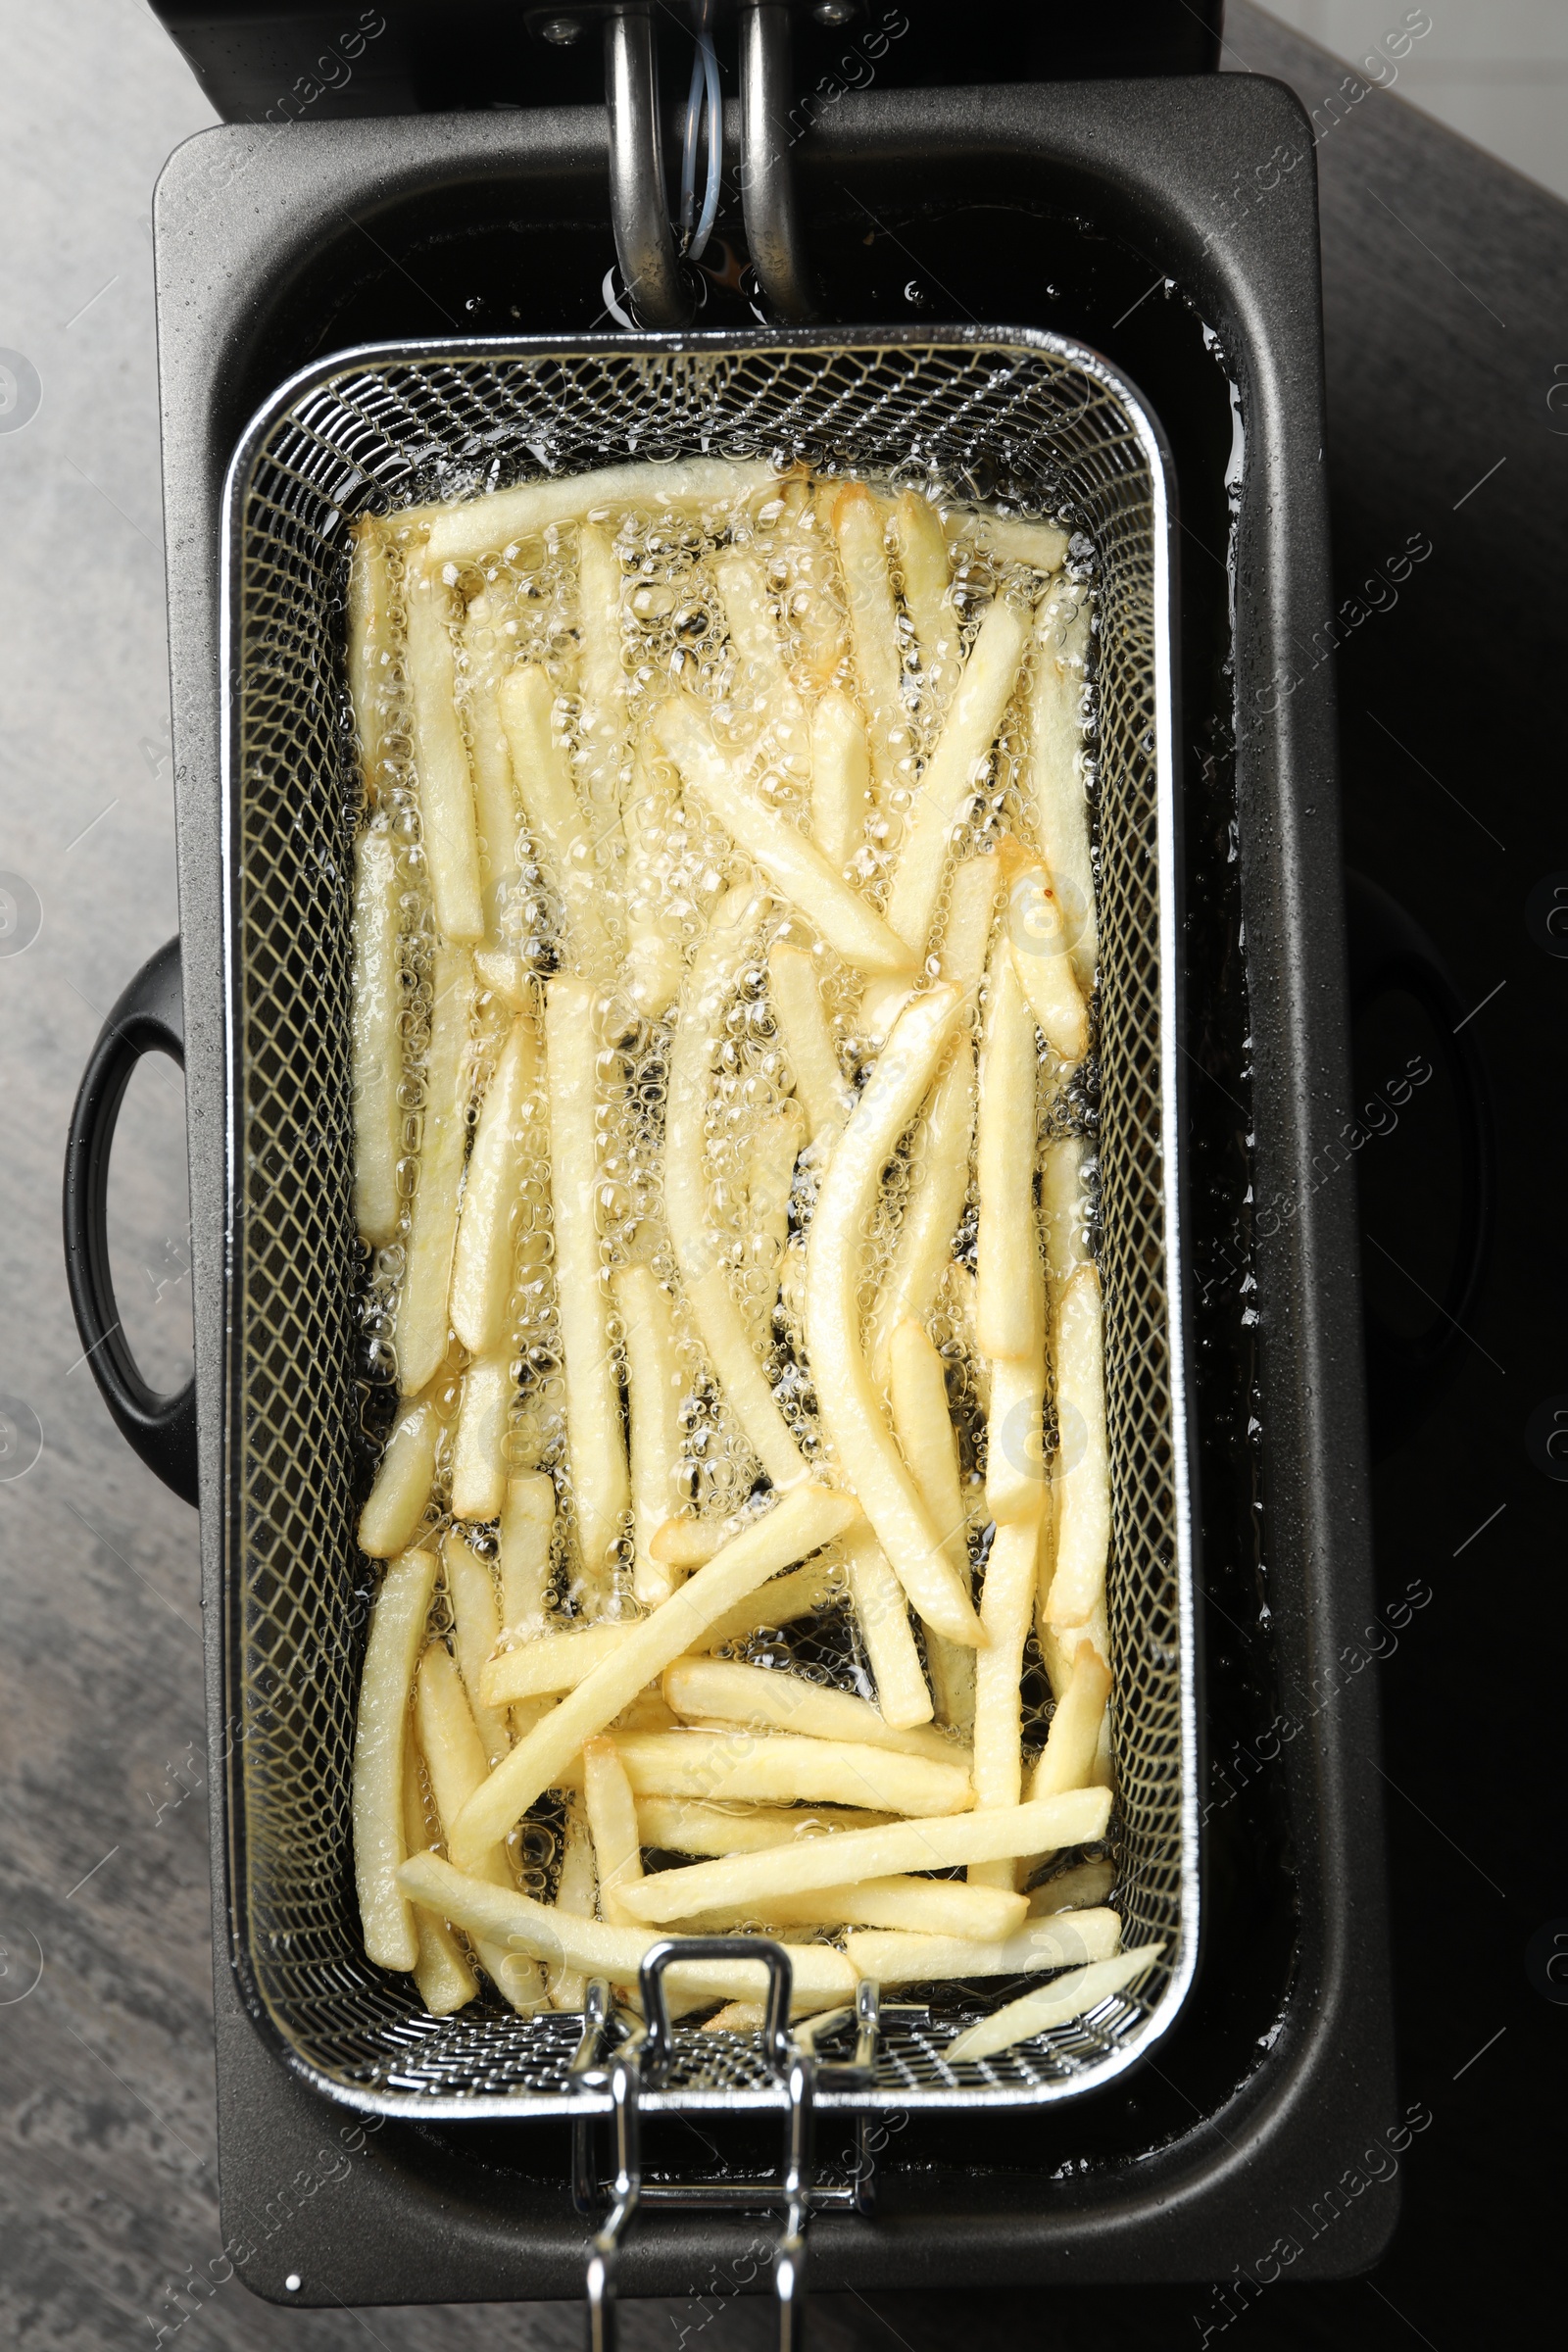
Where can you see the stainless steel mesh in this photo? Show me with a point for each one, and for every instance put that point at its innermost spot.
(1021, 417)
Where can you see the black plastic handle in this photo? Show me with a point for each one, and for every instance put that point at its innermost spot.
(149, 1018)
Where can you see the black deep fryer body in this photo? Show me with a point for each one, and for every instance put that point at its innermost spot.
(273, 247)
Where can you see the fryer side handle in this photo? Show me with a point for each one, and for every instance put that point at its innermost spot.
(148, 1018)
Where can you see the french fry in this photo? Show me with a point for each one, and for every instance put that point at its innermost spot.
(779, 1769)
(748, 2017)
(928, 572)
(1008, 1303)
(747, 1880)
(806, 542)
(1083, 1481)
(421, 1314)
(475, 1629)
(652, 937)
(404, 1474)
(820, 1085)
(713, 1690)
(1059, 1648)
(925, 1907)
(555, 820)
(479, 1441)
(968, 732)
(688, 1826)
(800, 1595)
(770, 1180)
(612, 1824)
(1006, 1604)
(505, 976)
(593, 1947)
(371, 647)
(741, 1377)
(851, 1415)
(527, 1517)
(1043, 545)
(1055, 2004)
(470, 527)
(689, 1207)
(494, 797)
(925, 1433)
(971, 912)
(656, 1384)
(748, 616)
(397, 1634)
(376, 1041)
(1016, 1487)
(1079, 1888)
(602, 668)
(595, 1442)
(1064, 1211)
(1056, 762)
(453, 1754)
(841, 778)
(791, 862)
(1076, 1937)
(805, 1520)
(957, 1295)
(441, 1970)
(553, 1662)
(882, 1612)
(873, 624)
(482, 1263)
(576, 1897)
(931, 1213)
(1038, 932)
(1068, 1759)
(446, 817)
(687, 1543)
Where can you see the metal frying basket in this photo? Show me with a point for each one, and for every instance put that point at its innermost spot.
(1021, 416)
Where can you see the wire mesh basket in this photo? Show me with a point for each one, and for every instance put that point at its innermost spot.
(1016, 416)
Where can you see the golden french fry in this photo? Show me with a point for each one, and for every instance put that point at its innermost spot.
(397, 1635)
(712, 1689)
(841, 778)
(1068, 1759)
(873, 624)
(925, 1433)
(850, 1413)
(940, 1156)
(770, 1180)
(805, 1520)
(505, 977)
(453, 1754)
(747, 1880)
(482, 1263)
(1063, 1211)
(1015, 1439)
(968, 732)
(1007, 1605)
(421, 1314)
(882, 1612)
(555, 820)
(595, 1440)
(1043, 545)
(748, 2017)
(1038, 933)
(925, 1907)
(652, 935)
(1079, 1888)
(576, 1895)
(404, 1474)
(791, 862)
(593, 1947)
(552, 1662)
(654, 1385)
(479, 1441)
(446, 817)
(376, 1039)
(1056, 762)
(679, 1825)
(1077, 1937)
(797, 1000)
(1055, 2004)
(612, 1824)
(371, 647)
(1009, 1302)
(441, 1971)
(798, 1594)
(527, 1517)
(1081, 1481)
(688, 1542)
(777, 1769)
(928, 572)
(470, 527)
(475, 1630)
(494, 797)
(740, 1375)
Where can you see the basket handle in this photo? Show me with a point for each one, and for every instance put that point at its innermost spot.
(148, 1018)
